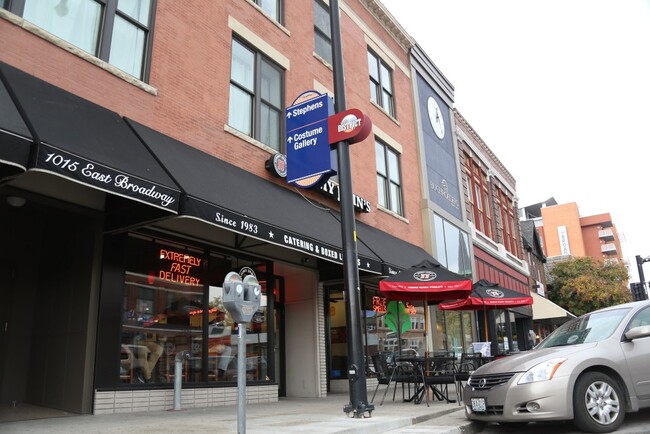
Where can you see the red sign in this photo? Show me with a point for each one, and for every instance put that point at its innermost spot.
(350, 125)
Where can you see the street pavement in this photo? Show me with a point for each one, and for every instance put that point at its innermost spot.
(288, 415)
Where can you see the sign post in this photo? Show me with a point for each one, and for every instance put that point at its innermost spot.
(358, 405)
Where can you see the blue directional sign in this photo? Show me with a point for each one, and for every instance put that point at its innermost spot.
(308, 149)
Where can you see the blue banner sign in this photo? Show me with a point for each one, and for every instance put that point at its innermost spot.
(308, 148)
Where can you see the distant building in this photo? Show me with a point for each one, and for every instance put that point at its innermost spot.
(564, 232)
(546, 314)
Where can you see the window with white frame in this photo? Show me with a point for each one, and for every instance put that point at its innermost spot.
(116, 31)
(255, 95)
(381, 83)
(389, 184)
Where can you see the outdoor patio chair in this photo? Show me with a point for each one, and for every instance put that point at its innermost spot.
(439, 375)
(388, 371)
(469, 362)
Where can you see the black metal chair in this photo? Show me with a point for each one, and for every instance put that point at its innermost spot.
(389, 371)
(469, 362)
(439, 375)
(382, 371)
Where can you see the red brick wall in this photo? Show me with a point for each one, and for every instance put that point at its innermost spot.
(191, 69)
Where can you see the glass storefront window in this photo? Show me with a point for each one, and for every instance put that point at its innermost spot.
(454, 331)
(163, 302)
(223, 340)
(381, 319)
(173, 300)
(452, 246)
(501, 317)
(468, 331)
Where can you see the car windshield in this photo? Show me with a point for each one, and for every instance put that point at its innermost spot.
(592, 327)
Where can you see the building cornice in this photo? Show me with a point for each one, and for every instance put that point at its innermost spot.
(476, 139)
(388, 22)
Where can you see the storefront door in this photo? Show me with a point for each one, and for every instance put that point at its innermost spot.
(336, 328)
(45, 270)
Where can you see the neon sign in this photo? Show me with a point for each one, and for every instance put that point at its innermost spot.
(180, 268)
(379, 306)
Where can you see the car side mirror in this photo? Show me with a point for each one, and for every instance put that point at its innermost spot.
(637, 332)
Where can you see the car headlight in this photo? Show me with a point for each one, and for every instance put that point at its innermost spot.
(542, 371)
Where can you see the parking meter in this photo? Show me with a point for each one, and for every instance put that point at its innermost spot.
(241, 298)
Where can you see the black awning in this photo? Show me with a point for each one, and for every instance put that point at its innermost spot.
(396, 255)
(86, 143)
(15, 138)
(227, 196)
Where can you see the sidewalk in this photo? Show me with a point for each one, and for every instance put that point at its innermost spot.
(289, 415)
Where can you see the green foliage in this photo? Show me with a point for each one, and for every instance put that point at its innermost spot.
(581, 285)
(397, 310)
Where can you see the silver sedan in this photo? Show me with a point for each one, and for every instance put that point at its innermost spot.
(591, 370)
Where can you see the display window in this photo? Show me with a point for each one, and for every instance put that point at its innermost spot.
(393, 325)
(173, 312)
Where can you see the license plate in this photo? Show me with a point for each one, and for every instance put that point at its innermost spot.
(478, 405)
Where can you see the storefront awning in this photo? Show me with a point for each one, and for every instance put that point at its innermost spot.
(15, 138)
(229, 197)
(545, 309)
(83, 142)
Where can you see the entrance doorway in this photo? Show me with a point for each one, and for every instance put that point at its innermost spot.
(45, 269)
(279, 355)
(337, 338)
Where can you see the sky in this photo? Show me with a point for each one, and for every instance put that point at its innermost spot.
(559, 90)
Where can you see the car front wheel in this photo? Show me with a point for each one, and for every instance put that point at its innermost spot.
(598, 403)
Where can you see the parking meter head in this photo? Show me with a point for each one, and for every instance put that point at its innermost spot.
(241, 298)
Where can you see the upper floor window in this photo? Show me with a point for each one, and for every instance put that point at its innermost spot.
(381, 83)
(322, 31)
(389, 185)
(508, 233)
(480, 199)
(116, 31)
(272, 8)
(255, 95)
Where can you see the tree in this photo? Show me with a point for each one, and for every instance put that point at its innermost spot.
(582, 285)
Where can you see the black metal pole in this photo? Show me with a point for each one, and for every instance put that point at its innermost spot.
(639, 264)
(356, 366)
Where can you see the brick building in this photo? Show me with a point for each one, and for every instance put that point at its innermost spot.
(491, 208)
(138, 167)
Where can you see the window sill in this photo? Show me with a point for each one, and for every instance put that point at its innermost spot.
(385, 112)
(54, 40)
(269, 17)
(394, 214)
(235, 132)
(323, 61)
